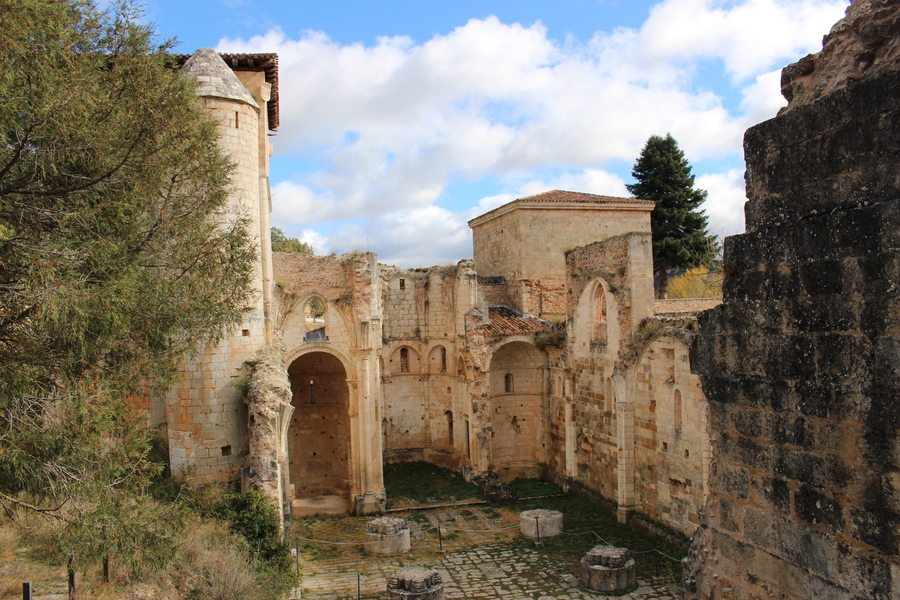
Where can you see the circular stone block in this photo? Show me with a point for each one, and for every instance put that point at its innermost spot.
(607, 569)
(540, 523)
(387, 535)
(416, 583)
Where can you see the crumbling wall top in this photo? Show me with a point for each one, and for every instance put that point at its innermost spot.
(863, 44)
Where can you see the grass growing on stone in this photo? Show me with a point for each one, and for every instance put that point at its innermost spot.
(413, 483)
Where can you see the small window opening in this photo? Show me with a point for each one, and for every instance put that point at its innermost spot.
(508, 383)
(687, 453)
(678, 411)
(402, 284)
(449, 426)
(404, 359)
(443, 360)
(226, 450)
(665, 446)
(237, 120)
(245, 332)
(312, 391)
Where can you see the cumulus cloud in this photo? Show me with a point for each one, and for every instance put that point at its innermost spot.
(724, 205)
(395, 122)
(748, 37)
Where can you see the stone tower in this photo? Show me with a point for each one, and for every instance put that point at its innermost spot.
(205, 416)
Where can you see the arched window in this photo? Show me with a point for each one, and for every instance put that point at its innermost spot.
(404, 360)
(600, 306)
(443, 360)
(508, 383)
(678, 411)
(314, 314)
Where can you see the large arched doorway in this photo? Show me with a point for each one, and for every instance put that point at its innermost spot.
(516, 381)
(319, 439)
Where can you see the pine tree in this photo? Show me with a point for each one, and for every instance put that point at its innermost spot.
(118, 251)
(680, 237)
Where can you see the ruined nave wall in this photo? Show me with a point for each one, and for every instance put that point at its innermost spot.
(424, 381)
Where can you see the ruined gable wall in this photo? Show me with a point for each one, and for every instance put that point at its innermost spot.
(343, 282)
(800, 362)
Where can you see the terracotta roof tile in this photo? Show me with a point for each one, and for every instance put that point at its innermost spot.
(505, 321)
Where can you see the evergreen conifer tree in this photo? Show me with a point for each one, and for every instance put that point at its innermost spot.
(118, 252)
(680, 237)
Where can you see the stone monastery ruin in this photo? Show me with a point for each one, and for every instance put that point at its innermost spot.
(547, 355)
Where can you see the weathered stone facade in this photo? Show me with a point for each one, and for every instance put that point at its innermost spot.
(800, 363)
(466, 382)
(448, 364)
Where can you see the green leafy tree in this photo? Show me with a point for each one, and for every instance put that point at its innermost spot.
(118, 250)
(283, 243)
(680, 237)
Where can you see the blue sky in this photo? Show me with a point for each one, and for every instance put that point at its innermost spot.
(401, 120)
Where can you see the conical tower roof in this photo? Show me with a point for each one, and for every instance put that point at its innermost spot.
(216, 79)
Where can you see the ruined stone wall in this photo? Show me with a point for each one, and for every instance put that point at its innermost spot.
(424, 388)
(614, 430)
(671, 446)
(604, 280)
(334, 368)
(800, 363)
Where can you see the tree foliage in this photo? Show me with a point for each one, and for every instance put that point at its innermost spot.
(283, 243)
(118, 250)
(680, 238)
(699, 282)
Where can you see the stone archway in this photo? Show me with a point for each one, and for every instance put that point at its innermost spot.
(319, 436)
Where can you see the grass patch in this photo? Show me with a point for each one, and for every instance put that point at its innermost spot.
(424, 483)
(593, 525)
(526, 488)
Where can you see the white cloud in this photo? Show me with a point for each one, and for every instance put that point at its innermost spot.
(762, 98)
(724, 205)
(748, 36)
(417, 237)
(394, 122)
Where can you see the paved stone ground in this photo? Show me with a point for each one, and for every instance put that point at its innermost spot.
(480, 563)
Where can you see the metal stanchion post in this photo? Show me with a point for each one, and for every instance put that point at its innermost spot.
(71, 577)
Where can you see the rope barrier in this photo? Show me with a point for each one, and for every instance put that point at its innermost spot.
(369, 586)
(335, 543)
(446, 528)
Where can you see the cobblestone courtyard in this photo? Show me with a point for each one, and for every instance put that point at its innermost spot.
(485, 558)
